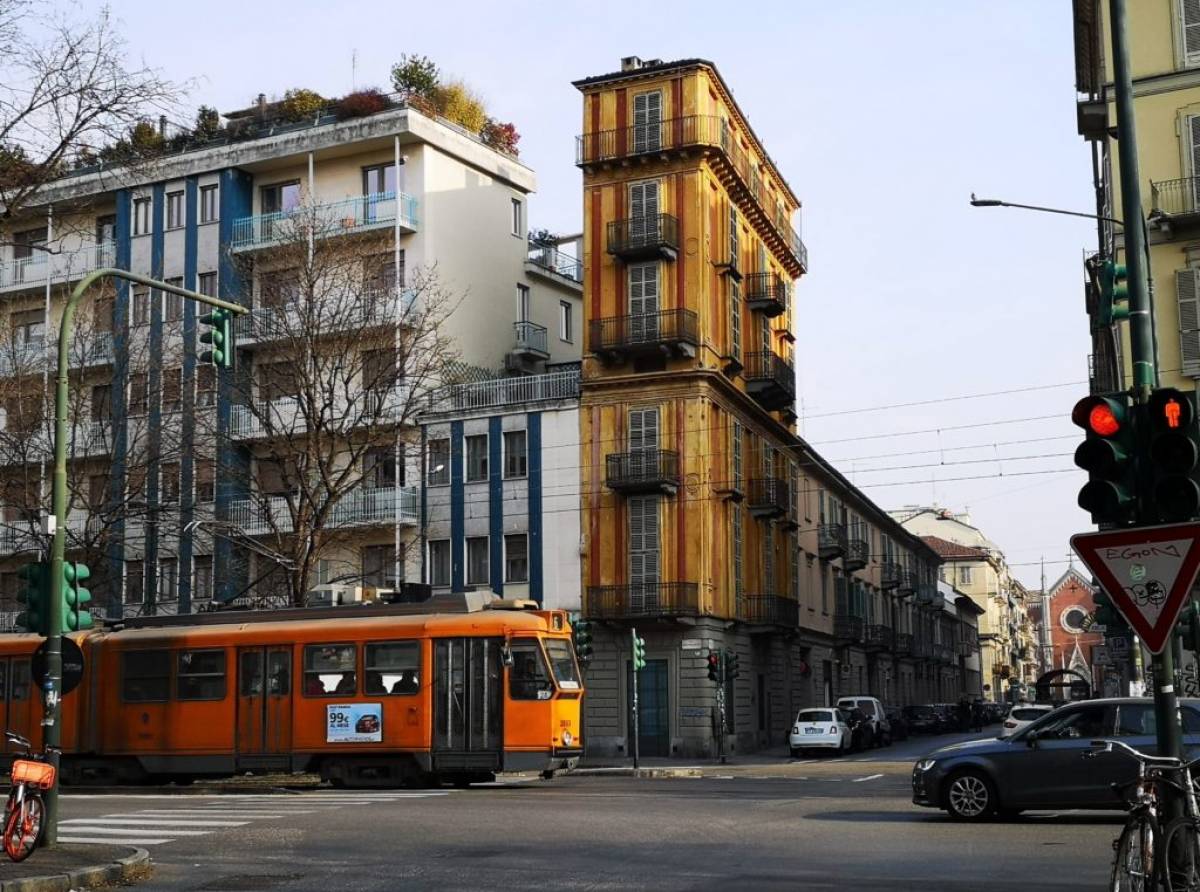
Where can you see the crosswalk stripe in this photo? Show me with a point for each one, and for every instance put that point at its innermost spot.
(154, 821)
(93, 827)
(108, 840)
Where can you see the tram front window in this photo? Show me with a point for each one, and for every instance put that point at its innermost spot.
(562, 661)
(528, 678)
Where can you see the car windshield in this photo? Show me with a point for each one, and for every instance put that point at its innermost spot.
(1028, 713)
(815, 715)
(562, 660)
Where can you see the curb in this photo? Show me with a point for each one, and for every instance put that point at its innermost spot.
(629, 772)
(130, 867)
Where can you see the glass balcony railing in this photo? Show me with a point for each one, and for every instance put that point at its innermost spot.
(364, 212)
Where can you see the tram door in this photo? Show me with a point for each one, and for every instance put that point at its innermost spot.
(468, 692)
(264, 711)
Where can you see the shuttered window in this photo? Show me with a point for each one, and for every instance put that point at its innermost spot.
(736, 448)
(1189, 14)
(735, 320)
(643, 551)
(794, 565)
(1187, 293)
(643, 199)
(733, 234)
(643, 302)
(769, 558)
(643, 429)
(647, 122)
(738, 584)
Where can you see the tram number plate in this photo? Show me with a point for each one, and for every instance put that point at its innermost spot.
(354, 723)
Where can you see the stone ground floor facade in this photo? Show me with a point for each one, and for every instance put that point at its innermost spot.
(779, 673)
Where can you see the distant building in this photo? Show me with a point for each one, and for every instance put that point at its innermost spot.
(1072, 642)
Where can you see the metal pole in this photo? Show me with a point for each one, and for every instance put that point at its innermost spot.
(634, 699)
(53, 685)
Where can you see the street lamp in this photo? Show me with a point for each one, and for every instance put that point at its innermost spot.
(997, 203)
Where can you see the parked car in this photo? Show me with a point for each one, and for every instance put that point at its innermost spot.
(862, 732)
(820, 729)
(922, 719)
(1022, 714)
(881, 730)
(898, 722)
(1041, 765)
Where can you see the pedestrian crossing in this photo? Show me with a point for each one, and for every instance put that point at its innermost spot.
(183, 816)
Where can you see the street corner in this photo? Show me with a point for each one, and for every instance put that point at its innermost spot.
(76, 866)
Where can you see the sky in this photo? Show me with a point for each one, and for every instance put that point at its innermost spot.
(883, 118)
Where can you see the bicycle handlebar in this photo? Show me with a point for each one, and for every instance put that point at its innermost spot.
(1107, 746)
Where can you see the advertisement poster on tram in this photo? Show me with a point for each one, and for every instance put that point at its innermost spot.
(354, 723)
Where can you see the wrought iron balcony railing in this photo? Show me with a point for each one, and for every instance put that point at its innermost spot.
(908, 582)
(770, 379)
(766, 293)
(857, 553)
(902, 643)
(831, 541)
(878, 637)
(649, 237)
(647, 599)
(848, 629)
(889, 576)
(642, 470)
(769, 610)
(1175, 198)
(768, 497)
(671, 331)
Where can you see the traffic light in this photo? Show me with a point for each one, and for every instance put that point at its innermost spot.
(639, 652)
(219, 337)
(582, 632)
(1188, 626)
(1114, 293)
(714, 666)
(1108, 456)
(1105, 613)
(731, 664)
(1171, 419)
(35, 595)
(76, 615)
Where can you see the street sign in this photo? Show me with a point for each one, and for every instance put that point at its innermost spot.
(72, 665)
(1147, 571)
(1100, 655)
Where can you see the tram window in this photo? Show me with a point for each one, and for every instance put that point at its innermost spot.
(329, 670)
(562, 661)
(279, 673)
(200, 675)
(527, 679)
(145, 675)
(3, 679)
(392, 667)
(20, 680)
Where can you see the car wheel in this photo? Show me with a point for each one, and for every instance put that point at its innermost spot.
(970, 796)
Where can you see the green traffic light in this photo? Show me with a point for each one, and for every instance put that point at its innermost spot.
(219, 337)
(76, 614)
(1114, 290)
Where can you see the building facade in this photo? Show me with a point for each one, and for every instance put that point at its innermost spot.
(337, 235)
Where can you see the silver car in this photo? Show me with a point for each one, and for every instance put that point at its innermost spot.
(1042, 765)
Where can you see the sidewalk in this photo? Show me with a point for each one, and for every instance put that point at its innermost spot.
(672, 767)
(74, 866)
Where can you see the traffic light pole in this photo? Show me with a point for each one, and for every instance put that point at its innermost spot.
(1141, 331)
(637, 731)
(52, 687)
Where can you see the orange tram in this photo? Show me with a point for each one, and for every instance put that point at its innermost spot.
(377, 695)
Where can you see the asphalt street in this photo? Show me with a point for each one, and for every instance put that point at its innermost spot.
(794, 824)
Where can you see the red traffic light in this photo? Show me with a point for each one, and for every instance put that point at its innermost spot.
(1100, 415)
(1103, 420)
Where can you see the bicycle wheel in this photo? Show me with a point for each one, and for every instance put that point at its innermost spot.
(1133, 869)
(1181, 856)
(23, 828)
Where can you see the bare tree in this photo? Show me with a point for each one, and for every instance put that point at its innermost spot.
(66, 89)
(347, 350)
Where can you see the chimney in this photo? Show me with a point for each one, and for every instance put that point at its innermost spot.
(631, 63)
(162, 126)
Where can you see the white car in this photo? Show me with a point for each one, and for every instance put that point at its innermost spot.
(1021, 715)
(881, 728)
(819, 729)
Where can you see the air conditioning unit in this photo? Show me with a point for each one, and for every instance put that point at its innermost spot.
(334, 595)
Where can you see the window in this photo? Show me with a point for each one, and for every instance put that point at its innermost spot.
(145, 676)
(135, 590)
(528, 678)
(439, 562)
(174, 210)
(28, 326)
(1189, 20)
(477, 458)
(392, 667)
(438, 467)
(279, 289)
(206, 385)
(564, 321)
(208, 206)
(739, 480)
(562, 662)
(102, 314)
(141, 216)
(477, 560)
(964, 575)
(200, 675)
(516, 461)
(139, 398)
(170, 482)
(379, 178)
(516, 558)
(20, 679)
(97, 491)
(101, 403)
(136, 482)
(172, 389)
(23, 243)
(1086, 723)
(643, 302)
(517, 228)
(203, 573)
(207, 284)
(330, 670)
(106, 229)
(379, 566)
(23, 414)
(280, 198)
(140, 305)
(738, 549)
(643, 542)
(522, 303)
(732, 246)
(173, 303)
(647, 121)
(380, 467)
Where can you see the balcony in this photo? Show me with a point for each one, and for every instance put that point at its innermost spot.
(768, 610)
(552, 386)
(927, 594)
(889, 576)
(831, 541)
(857, 553)
(643, 471)
(848, 629)
(736, 167)
(24, 357)
(768, 498)
(531, 342)
(771, 380)
(878, 637)
(902, 644)
(292, 322)
(378, 210)
(648, 599)
(1175, 201)
(908, 582)
(652, 237)
(666, 333)
(286, 416)
(548, 261)
(363, 506)
(40, 267)
(766, 293)
(943, 653)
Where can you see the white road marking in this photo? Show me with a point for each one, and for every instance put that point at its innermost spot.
(859, 780)
(118, 820)
(93, 827)
(108, 840)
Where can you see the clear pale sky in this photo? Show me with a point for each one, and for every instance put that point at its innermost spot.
(883, 117)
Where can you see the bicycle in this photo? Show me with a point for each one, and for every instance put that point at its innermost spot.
(1148, 856)
(25, 811)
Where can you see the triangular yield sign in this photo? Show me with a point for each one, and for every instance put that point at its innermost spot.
(1147, 571)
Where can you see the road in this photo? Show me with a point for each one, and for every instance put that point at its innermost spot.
(830, 824)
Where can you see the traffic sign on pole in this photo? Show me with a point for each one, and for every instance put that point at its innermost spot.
(1147, 571)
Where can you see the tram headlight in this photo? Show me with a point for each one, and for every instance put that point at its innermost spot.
(567, 738)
